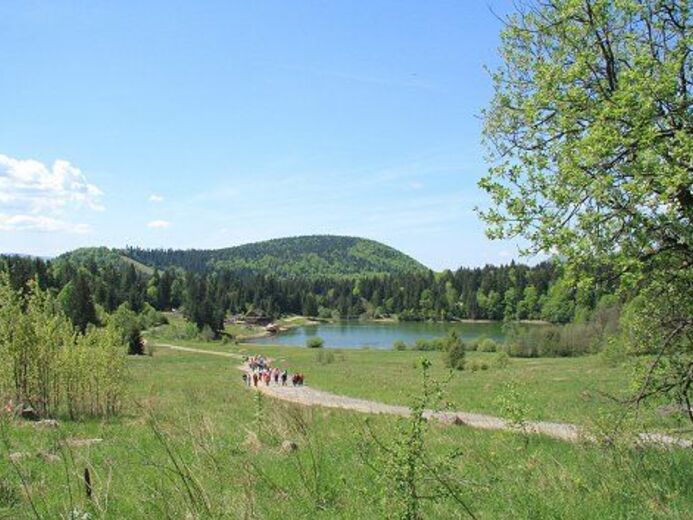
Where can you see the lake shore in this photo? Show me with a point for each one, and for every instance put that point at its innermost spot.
(378, 334)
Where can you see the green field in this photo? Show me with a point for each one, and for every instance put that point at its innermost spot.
(209, 457)
(578, 390)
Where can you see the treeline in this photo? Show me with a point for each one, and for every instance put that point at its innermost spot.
(102, 279)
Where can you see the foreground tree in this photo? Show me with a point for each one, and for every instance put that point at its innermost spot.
(591, 137)
(47, 365)
(77, 302)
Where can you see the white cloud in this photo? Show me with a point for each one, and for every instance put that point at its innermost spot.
(36, 188)
(35, 197)
(40, 223)
(156, 198)
(158, 224)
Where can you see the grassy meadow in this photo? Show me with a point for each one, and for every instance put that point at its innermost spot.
(194, 443)
(581, 390)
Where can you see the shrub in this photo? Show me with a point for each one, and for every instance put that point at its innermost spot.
(571, 339)
(150, 317)
(182, 330)
(399, 345)
(207, 334)
(427, 345)
(127, 325)
(455, 352)
(487, 345)
(409, 315)
(430, 344)
(315, 342)
(614, 353)
(501, 360)
(473, 344)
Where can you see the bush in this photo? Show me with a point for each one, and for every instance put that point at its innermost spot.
(399, 345)
(455, 352)
(501, 360)
(324, 313)
(473, 344)
(150, 317)
(428, 345)
(127, 325)
(182, 330)
(207, 334)
(571, 339)
(487, 345)
(614, 353)
(409, 315)
(315, 342)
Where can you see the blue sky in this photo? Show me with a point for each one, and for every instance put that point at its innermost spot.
(211, 124)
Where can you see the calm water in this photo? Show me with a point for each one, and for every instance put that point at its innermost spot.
(355, 334)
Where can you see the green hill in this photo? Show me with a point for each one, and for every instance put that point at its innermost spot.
(101, 257)
(303, 256)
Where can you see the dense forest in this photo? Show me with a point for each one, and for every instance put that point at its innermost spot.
(88, 279)
(302, 257)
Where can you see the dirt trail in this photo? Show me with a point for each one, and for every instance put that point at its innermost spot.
(200, 351)
(307, 396)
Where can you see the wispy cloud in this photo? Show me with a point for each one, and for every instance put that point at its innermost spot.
(35, 196)
(158, 224)
(156, 198)
(40, 223)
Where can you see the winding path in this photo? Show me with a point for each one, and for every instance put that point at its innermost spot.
(307, 396)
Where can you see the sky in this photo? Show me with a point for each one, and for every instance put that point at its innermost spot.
(212, 124)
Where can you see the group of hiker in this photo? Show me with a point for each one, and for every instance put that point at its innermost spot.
(259, 371)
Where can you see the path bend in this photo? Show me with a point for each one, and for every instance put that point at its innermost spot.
(307, 396)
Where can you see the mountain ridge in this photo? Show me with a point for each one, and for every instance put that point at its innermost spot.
(298, 256)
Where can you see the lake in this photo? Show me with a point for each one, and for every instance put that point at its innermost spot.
(381, 335)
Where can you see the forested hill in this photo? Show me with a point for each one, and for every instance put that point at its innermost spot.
(303, 256)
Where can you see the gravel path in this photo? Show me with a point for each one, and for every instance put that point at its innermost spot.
(200, 351)
(307, 396)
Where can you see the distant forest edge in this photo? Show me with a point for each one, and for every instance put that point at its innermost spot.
(303, 256)
(209, 285)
